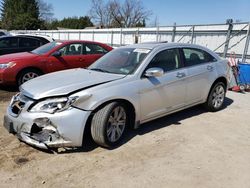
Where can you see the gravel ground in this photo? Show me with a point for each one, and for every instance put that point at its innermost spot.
(192, 148)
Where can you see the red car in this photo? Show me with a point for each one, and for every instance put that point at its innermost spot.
(58, 55)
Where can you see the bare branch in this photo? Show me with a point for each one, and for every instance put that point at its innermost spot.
(45, 11)
(115, 14)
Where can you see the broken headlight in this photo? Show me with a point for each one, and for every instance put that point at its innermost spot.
(54, 105)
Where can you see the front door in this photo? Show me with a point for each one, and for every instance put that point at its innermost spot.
(71, 57)
(160, 95)
(75, 55)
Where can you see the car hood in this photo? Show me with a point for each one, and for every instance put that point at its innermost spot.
(16, 56)
(65, 82)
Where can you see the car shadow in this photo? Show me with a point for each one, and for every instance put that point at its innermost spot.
(169, 120)
(6, 92)
(9, 88)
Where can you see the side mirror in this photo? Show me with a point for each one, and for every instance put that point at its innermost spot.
(57, 54)
(154, 72)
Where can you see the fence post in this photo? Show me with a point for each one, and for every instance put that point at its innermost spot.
(93, 35)
(173, 33)
(192, 36)
(246, 45)
(68, 35)
(229, 32)
(157, 33)
(121, 37)
(112, 38)
(79, 35)
(137, 36)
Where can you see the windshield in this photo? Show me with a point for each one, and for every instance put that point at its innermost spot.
(120, 61)
(46, 48)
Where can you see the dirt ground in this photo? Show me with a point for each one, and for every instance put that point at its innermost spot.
(192, 148)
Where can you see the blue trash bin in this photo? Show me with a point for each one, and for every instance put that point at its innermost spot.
(244, 73)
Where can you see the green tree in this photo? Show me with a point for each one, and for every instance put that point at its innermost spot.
(20, 14)
(71, 23)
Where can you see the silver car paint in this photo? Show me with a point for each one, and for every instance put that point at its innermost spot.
(69, 124)
(150, 97)
(65, 82)
(135, 89)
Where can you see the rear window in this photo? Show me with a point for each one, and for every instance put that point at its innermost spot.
(28, 42)
(94, 49)
(197, 56)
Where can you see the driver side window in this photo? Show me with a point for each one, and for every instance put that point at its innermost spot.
(71, 49)
(168, 60)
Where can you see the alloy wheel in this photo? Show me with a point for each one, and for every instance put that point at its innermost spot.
(28, 76)
(116, 124)
(218, 96)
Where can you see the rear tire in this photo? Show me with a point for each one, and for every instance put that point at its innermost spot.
(27, 74)
(109, 123)
(216, 97)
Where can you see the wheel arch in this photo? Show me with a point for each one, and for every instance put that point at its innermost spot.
(220, 79)
(27, 68)
(130, 108)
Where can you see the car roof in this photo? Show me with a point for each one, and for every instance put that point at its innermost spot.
(159, 45)
(152, 45)
(24, 36)
(80, 41)
(46, 37)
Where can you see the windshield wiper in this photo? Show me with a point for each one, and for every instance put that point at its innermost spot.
(100, 70)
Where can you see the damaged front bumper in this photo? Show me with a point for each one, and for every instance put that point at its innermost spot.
(43, 130)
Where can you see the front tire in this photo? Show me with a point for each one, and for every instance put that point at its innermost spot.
(27, 75)
(109, 123)
(216, 97)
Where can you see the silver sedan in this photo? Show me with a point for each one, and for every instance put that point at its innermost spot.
(129, 86)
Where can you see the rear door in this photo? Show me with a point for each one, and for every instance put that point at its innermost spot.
(92, 52)
(200, 73)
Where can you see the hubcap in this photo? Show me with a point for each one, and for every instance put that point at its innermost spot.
(29, 76)
(116, 124)
(218, 96)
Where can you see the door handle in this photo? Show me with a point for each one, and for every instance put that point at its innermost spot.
(210, 68)
(180, 75)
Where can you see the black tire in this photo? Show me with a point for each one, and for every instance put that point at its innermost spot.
(216, 97)
(23, 75)
(101, 127)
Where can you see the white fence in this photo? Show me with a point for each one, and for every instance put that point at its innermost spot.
(222, 38)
